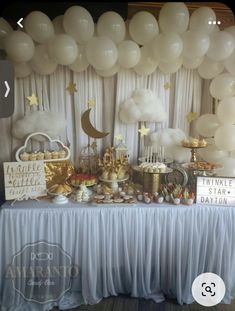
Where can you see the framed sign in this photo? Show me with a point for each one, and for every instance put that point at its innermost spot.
(24, 180)
(216, 190)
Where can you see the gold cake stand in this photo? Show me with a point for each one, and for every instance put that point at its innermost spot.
(194, 156)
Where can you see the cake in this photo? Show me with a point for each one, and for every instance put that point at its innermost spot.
(156, 167)
(55, 154)
(194, 142)
(47, 155)
(82, 179)
(40, 156)
(61, 154)
(24, 156)
(33, 156)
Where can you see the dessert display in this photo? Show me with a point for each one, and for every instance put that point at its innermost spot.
(58, 189)
(113, 198)
(47, 155)
(156, 167)
(202, 165)
(194, 143)
(82, 179)
(83, 194)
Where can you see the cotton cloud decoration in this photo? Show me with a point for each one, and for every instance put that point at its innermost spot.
(143, 105)
(39, 121)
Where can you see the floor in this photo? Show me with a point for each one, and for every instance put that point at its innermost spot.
(125, 303)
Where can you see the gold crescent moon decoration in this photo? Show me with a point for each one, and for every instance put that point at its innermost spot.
(88, 128)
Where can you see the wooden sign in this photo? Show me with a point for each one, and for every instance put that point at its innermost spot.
(216, 190)
(24, 180)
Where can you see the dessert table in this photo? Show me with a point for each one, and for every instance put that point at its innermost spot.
(152, 251)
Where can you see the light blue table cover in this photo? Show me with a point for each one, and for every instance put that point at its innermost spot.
(152, 251)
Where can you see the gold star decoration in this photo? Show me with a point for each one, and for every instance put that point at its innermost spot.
(143, 131)
(167, 86)
(191, 116)
(119, 137)
(91, 103)
(33, 100)
(71, 88)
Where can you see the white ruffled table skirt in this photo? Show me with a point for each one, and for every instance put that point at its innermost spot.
(152, 251)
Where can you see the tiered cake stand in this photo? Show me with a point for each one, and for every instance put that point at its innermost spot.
(114, 182)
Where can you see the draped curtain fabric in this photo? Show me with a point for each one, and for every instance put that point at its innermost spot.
(186, 92)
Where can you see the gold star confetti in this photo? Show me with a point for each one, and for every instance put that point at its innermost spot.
(91, 103)
(33, 100)
(119, 137)
(71, 88)
(191, 116)
(143, 131)
(167, 86)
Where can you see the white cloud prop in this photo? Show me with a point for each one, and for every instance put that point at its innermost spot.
(39, 121)
(143, 105)
(171, 140)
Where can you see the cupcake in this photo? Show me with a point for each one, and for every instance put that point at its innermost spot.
(55, 154)
(24, 156)
(47, 155)
(33, 156)
(40, 156)
(61, 154)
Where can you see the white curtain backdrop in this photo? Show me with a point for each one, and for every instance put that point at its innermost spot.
(187, 92)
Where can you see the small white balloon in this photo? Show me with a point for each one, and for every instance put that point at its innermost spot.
(128, 54)
(109, 72)
(58, 24)
(5, 28)
(192, 63)
(202, 20)
(221, 46)
(143, 27)
(78, 23)
(171, 67)
(225, 137)
(229, 63)
(231, 30)
(209, 68)
(111, 25)
(62, 49)
(22, 70)
(212, 154)
(19, 46)
(195, 44)
(41, 62)
(39, 26)
(228, 167)
(174, 17)
(222, 86)
(170, 46)
(226, 111)
(146, 64)
(207, 124)
(81, 63)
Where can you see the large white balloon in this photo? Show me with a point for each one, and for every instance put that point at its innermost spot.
(5, 28)
(210, 68)
(207, 124)
(174, 16)
(226, 111)
(192, 63)
(225, 137)
(170, 46)
(171, 67)
(39, 26)
(231, 30)
(221, 45)
(101, 53)
(78, 23)
(143, 27)
(109, 72)
(41, 63)
(19, 46)
(62, 49)
(58, 24)
(128, 54)
(146, 64)
(228, 167)
(111, 25)
(22, 70)
(202, 20)
(223, 86)
(195, 44)
(212, 154)
(81, 63)
(229, 63)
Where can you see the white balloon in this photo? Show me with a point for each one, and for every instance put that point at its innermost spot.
(22, 70)
(109, 72)
(5, 28)
(192, 63)
(195, 44)
(143, 27)
(127, 36)
(202, 20)
(146, 64)
(212, 154)
(221, 45)
(207, 124)
(81, 63)
(62, 49)
(19, 46)
(128, 54)
(171, 67)
(39, 26)
(78, 23)
(41, 63)
(111, 25)
(228, 167)
(231, 30)
(101, 53)
(226, 111)
(210, 68)
(170, 46)
(229, 63)
(174, 17)
(225, 137)
(58, 24)
(223, 86)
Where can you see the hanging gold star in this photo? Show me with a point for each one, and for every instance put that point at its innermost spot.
(191, 116)
(119, 137)
(91, 103)
(71, 88)
(167, 86)
(33, 100)
(143, 131)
